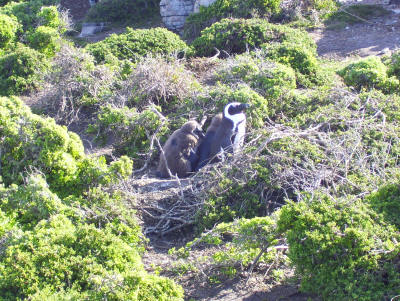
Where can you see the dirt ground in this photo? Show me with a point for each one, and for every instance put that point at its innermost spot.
(375, 37)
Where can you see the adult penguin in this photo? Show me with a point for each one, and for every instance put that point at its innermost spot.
(229, 136)
(204, 149)
(178, 152)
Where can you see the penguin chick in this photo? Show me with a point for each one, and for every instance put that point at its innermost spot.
(230, 134)
(204, 149)
(178, 152)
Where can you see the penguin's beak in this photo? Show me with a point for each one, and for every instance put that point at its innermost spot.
(244, 106)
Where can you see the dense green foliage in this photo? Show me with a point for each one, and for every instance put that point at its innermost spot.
(369, 73)
(30, 140)
(387, 201)
(238, 35)
(120, 11)
(45, 40)
(8, 28)
(229, 8)
(26, 27)
(20, 70)
(135, 43)
(343, 250)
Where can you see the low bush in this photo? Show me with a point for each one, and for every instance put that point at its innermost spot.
(132, 130)
(136, 43)
(239, 35)
(50, 17)
(302, 59)
(228, 8)
(232, 249)
(28, 13)
(387, 202)
(60, 258)
(369, 73)
(120, 11)
(341, 249)
(31, 202)
(46, 40)
(8, 29)
(270, 79)
(393, 65)
(40, 143)
(20, 70)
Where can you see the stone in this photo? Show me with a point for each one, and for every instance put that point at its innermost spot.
(175, 12)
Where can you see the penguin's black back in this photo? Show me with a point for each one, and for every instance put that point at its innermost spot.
(222, 138)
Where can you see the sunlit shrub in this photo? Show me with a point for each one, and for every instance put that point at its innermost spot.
(28, 13)
(19, 70)
(387, 201)
(137, 42)
(369, 73)
(229, 8)
(40, 143)
(8, 29)
(239, 35)
(59, 257)
(268, 78)
(45, 40)
(302, 59)
(342, 250)
(132, 129)
(30, 202)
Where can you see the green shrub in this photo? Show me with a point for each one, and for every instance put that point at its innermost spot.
(30, 202)
(369, 73)
(50, 17)
(270, 79)
(31, 140)
(19, 70)
(238, 35)
(45, 40)
(394, 65)
(28, 13)
(341, 250)
(8, 29)
(301, 58)
(58, 257)
(387, 201)
(229, 8)
(132, 129)
(136, 43)
(120, 11)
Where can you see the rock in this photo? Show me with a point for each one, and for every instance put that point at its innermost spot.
(175, 12)
(199, 3)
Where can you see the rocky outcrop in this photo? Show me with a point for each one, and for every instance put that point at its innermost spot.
(175, 12)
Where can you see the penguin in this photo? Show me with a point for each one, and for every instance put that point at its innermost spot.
(204, 149)
(178, 151)
(229, 136)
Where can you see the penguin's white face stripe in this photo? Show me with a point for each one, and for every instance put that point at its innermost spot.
(236, 118)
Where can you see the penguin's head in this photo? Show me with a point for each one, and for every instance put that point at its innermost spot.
(193, 127)
(235, 111)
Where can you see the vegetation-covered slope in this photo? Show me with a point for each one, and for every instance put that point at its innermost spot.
(315, 189)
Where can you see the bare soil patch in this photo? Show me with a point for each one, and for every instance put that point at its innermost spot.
(370, 37)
